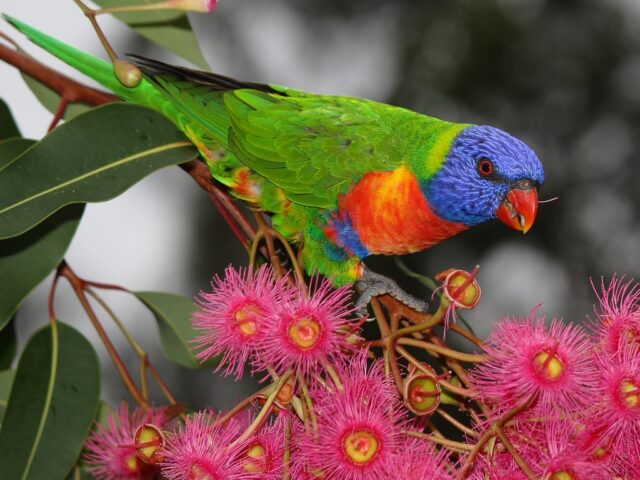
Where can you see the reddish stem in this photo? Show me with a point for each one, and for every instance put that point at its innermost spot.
(240, 235)
(78, 286)
(105, 286)
(66, 87)
(62, 108)
(52, 294)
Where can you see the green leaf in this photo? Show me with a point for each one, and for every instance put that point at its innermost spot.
(8, 345)
(26, 260)
(51, 100)
(92, 158)
(6, 381)
(168, 28)
(173, 314)
(79, 471)
(10, 149)
(8, 127)
(52, 405)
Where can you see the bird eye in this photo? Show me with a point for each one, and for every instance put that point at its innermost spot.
(485, 167)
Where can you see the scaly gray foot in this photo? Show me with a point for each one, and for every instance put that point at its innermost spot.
(372, 284)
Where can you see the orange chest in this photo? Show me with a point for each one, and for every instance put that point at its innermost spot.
(391, 215)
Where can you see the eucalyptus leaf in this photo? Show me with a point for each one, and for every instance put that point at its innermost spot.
(79, 471)
(94, 157)
(51, 99)
(11, 148)
(8, 345)
(6, 381)
(173, 315)
(52, 405)
(170, 29)
(8, 127)
(26, 260)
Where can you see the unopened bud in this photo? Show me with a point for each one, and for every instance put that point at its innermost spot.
(203, 6)
(128, 74)
(149, 439)
(460, 288)
(422, 391)
(283, 397)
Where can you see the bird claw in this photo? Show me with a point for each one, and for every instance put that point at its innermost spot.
(373, 284)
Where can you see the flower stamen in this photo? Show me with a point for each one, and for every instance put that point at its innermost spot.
(305, 332)
(562, 475)
(247, 319)
(630, 393)
(361, 446)
(548, 364)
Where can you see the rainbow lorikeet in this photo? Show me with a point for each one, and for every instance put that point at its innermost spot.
(348, 177)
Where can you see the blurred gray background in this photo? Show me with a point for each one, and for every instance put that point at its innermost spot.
(564, 76)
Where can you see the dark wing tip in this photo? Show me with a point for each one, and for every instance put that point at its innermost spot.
(153, 68)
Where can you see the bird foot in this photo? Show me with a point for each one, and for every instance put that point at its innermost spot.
(372, 284)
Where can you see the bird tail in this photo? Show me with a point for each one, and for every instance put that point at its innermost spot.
(94, 67)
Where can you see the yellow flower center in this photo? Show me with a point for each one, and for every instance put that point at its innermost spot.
(599, 453)
(247, 319)
(361, 446)
(631, 334)
(255, 452)
(305, 332)
(131, 463)
(549, 365)
(562, 475)
(630, 393)
(423, 394)
(201, 472)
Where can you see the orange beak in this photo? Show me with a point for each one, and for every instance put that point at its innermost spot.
(519, 208)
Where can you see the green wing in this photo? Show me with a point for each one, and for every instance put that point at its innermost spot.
(314, 147)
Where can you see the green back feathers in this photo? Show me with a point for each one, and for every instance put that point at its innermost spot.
(314, 147)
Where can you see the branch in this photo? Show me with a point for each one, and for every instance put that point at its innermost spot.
(66, 87)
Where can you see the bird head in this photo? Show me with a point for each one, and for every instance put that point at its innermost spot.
(487, 174)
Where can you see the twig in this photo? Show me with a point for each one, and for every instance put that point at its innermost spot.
(266, 408)
(490, 433)
(467, 334)
(200, 173)
(459, 446)
(268, 236)
(78, 287)
(447, 352)
(459, 425)
(389, 343)
(66, 87)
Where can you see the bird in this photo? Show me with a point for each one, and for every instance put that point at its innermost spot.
(344, 177)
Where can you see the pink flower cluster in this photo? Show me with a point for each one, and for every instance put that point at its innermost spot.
(555, 401)
(573, 398)
(250, 317)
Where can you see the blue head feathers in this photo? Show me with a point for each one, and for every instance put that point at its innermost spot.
(483, 165)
